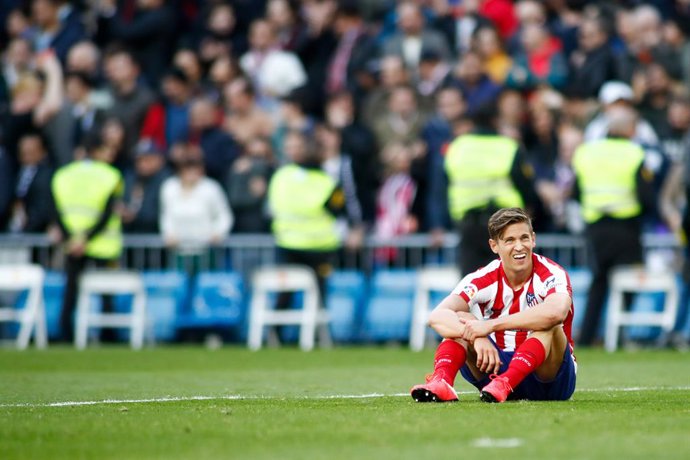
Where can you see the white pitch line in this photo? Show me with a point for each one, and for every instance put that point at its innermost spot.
(317, 397)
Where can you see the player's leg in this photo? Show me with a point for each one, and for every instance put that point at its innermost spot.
(450, 356)
(541, 354)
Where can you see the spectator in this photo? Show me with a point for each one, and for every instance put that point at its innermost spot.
(194, 212)
(392, 73)
(476, 86)
(555, 188)
(141, 210)
(189, 64)
(223, 70)
(220, 35)
(496, 62)
(167, 121)
(219, 149)
(285, 20)
(148, 34)
(656, 90)
(348, 69)
(247, 186)
(85, 58)
(434, 73)
(402, 122)
(131, 98)
(612, 95)
(437, 134)
(512, 113)
(593, 62)
(395, 198)
(244, 119)
(35, 103)
(16, 62)
(358, 142)
(338, 164)
(86, 116)
(33, 203)
(315, 50)
(58, 26)
(292, 117)
(274, 72)
(412, 37)
(540, 63)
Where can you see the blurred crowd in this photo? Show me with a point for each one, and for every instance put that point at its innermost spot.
(214, 95)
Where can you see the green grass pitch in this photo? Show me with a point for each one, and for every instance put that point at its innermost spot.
(345, 403)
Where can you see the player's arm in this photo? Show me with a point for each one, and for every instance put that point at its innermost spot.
(541, 317)
(444, 319)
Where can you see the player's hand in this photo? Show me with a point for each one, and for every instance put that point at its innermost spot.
(488, 359)
(475, 329)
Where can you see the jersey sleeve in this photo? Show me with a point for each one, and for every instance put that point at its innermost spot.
(557, 282)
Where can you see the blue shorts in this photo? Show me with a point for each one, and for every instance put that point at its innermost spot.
(560, 388)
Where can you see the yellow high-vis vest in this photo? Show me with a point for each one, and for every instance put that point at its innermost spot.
(81, 190)
(478, 171)
(297, 197)
(606, 171)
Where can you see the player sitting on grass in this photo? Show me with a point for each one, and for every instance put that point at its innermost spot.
(521, 345)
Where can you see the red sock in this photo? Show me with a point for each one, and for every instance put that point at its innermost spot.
(450, 356)
(528, 356)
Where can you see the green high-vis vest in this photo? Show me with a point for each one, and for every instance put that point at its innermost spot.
(606, 171)
(81, 190)
(478, 171)
(297, 197)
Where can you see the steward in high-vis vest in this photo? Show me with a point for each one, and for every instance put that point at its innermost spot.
(485, 171)
(304, 202)
(85, 193)
(614, 189)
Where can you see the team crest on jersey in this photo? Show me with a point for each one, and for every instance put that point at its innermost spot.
(531, 299)
(470, 291)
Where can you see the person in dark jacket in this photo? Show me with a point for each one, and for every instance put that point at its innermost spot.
(32, 209)
(141, 209)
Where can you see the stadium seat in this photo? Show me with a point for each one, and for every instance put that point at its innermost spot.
(346, 294)
(430, 280)
(217, 302)
(99, 282)
(389, 309)
(280, 278)
(32, 317)
(639, 281)
(166, 297)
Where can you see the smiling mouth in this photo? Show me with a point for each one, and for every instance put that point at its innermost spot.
(520, 256)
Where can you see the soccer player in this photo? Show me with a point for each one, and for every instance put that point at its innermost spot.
(506, 326)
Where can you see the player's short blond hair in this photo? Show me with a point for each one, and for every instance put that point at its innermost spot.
(501, 219)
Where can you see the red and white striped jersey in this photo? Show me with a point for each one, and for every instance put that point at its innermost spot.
(490, 296)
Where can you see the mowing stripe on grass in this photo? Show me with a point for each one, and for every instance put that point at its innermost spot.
(318, 397)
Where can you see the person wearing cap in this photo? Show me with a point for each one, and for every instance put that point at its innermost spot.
(614, 188)
(142, 188)
(87, 193)
(615, 94)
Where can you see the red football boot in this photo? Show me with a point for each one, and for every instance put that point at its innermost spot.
(497, 390)
(434, 390)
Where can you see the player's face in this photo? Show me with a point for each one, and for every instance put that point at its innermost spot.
(515, 247)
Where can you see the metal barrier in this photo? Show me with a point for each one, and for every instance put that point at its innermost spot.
(245, 252)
